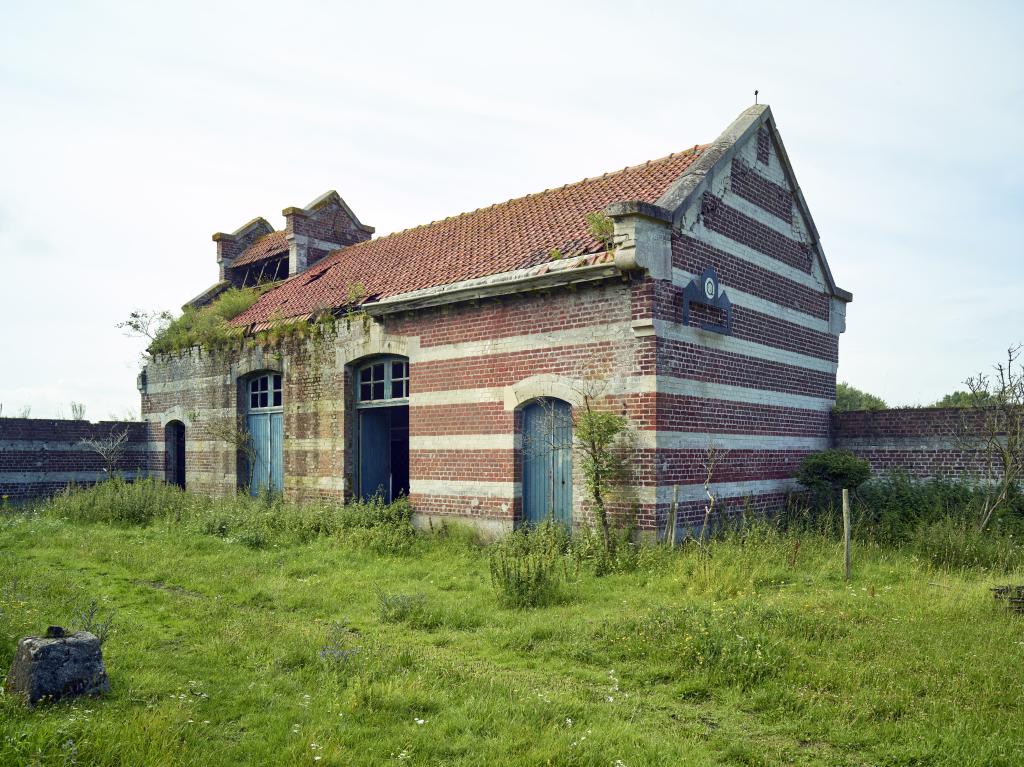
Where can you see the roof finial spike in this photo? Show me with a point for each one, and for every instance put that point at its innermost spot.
(755, 97)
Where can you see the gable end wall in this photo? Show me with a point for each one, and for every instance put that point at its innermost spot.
(758, 399)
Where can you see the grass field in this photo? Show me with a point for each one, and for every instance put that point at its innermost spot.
(327, 653)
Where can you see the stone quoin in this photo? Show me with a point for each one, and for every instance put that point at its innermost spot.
(451, 334)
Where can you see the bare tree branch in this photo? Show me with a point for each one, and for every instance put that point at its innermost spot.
(993, 425)
(110, 449)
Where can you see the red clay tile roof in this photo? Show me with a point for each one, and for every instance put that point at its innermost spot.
(273, 244)
(505, 237)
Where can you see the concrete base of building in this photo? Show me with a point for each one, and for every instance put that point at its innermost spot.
(487, 529)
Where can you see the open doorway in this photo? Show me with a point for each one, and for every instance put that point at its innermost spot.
(382, 403)
(174, 453)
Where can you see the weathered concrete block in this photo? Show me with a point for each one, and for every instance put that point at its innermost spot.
(57, 666)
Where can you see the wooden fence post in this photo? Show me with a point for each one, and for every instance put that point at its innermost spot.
(846, 532)
(670, 528)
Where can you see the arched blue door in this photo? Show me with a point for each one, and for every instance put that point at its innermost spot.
(547, 462)
(265, 424)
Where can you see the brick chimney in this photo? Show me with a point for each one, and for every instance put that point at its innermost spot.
(231, 246)
(324, 225)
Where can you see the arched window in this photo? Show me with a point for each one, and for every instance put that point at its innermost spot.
(265, 391)
(382, 381)
(382, 401)
(264, 420)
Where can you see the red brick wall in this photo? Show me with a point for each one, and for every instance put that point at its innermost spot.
(39, 457)
(923, 442)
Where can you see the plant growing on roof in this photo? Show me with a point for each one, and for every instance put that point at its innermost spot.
(602, 229)
(207, 327)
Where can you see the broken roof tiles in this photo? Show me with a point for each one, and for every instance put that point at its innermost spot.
(513, 235)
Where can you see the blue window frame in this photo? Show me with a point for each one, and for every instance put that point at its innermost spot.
(382, 382)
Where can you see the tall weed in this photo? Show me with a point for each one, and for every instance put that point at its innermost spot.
(957, 544)
(529, 567)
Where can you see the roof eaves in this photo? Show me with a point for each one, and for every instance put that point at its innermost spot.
(585, 268)
(805, 211)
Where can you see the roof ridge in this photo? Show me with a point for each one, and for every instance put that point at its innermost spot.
(529, 195)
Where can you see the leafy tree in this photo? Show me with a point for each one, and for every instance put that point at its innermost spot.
(965, 399)
(603, 463)
(851, 398)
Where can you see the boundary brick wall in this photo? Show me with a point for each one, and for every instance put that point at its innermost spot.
(40, 457)
(923, 442)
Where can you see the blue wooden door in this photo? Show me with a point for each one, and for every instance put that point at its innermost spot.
(374, 453)
(266, 431)
(547, 462)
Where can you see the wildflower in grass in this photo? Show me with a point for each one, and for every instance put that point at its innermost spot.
(420, 721)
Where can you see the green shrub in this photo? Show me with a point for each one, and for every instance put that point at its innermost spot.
(892, 508)
(529, 567)
(826, 473)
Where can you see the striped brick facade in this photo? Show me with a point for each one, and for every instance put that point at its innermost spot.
(40, 457)
(759, 397)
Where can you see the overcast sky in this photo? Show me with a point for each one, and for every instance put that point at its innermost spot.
(129, 136)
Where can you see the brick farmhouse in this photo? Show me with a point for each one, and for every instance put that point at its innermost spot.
(709, 318)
